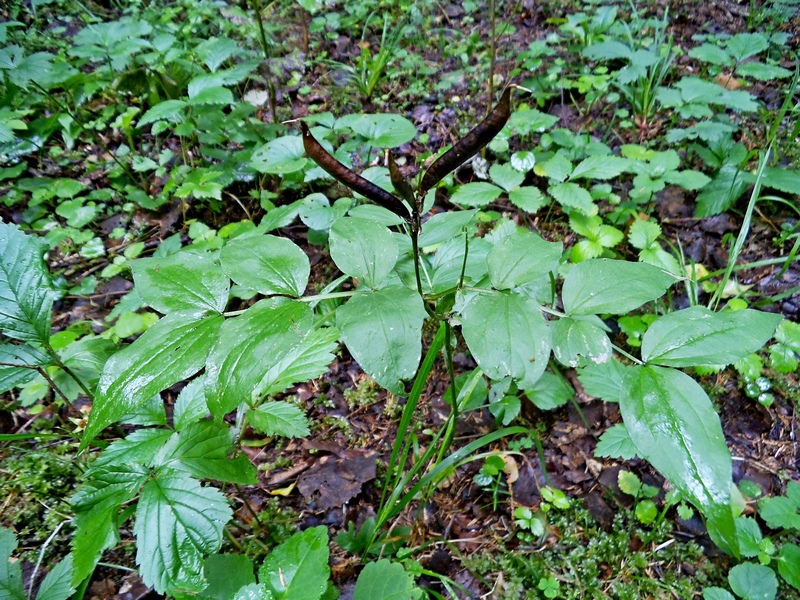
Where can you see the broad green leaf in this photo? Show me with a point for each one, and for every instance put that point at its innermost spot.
(674, 426)
(789, 564)
(298, 568)
(226, 575)
(508, 336)
(385, 580)
(308, 359)
(643, 234)
(612, 286)
(557, 168)
(170, 351)
(280, 156)
(479, 193)
(201, 449)
(266, 264)
(745, 45)
(550, 391)
(279, 418)
(578, 337)
(222, 77)
(19, 354)
(603, 380)
(762, 71)
(181, 282)
(608, 51)
(688, 180)
(506, 176)
(528, 198)
(782, 179)
(448, 263)
(178, 521)
(444, 226)
(749, 535)
(249, 345)
(524, 122)
(722, 191)
(363, 249)
(788, 334)
(697, 337)
(10, 572)
(615, 443)
(212, 95)
(573, 197)
(383, 130)
(26, 297)
(318, 214)
(523, 161)
(58, 584)
(711, 54)
(168, 110)
(600, 167)
(753, 582)
(382, 331)
(521, 258)
(190, 406)
(137, 448)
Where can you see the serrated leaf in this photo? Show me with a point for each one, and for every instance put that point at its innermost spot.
(557, 168)
(382, 331)
(508, 336)
(612, 286)
(615, 443)
(167, 110)
(600, 167)
(528, 198)
(523, 161)
(279, 418)
(573, 197)
(137, 448)
(753, 582)
(745, 45)
(363, 249)
(506, 176)
(19, 354)
(688, 180)
(643, 234)
(578, 337)
(603, 380)
(58, 584)
(749, 535)
(762, 71)
(607, 51)
(181, 282)
(249, 345)
(550, 391)
(479, 193)
(253, 592)
(788, 334)
(309, 359)
(26, 296)
(521, 258)
(177, 522)
(190, 406)
(674, 426)
(10, 572)
(212, 95)
(782, 179)
(201, 449)
(266, 264)
(697, 336)
(781, 512)
(711, 54)
(173, 349)
(722, 191)
(298, 568)
(386, 580)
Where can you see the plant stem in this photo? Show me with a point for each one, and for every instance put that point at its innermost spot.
(262, 39)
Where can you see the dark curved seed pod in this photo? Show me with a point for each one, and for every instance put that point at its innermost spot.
(467, 146)
(352, 180)
(398, 181)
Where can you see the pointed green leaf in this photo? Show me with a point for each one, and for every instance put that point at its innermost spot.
(177, 522)
(280, 156)
(520, 258)
(782, 512)
(612, 286)
(600, 167)
(697, 337)
(444, 226)
(58, 584)
(181, 282)
(168, 110)
(26, 297)
(309, 359)
(254, 591)
(479, 193)
(137, 448)
(266, 264)
(249, 345)
(19, 354)
(603, 380)
(578, 337)
(573, 197)
(675, 427)
(172, 350)
(722, 191)
(508, 336)
(298, 568)
(201, 449)
(279, 418)
(363, 249)
(382, 130)
(382, 331)
(10, 572)
(190, 406)
(506, 176)
(528, 198)
(386, 580)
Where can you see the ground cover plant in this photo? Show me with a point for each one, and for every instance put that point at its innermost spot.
(550, 311)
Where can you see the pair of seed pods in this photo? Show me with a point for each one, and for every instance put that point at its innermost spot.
(464, 149)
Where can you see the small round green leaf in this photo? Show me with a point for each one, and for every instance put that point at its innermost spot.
(753, 582)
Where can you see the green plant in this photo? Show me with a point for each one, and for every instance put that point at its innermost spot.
(490, 477)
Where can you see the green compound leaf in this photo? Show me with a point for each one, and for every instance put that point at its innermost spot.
(528, 198)
(249, 345)
(382, 329)
(26, 295)
(520, 258)
(363, 249)
(181, 282)
(298, 568)
(173, 349)
(506, 176)
(612, 286)
(444, 226)
(178, 521)
(279, 418)
(10, 572)
(386, 580)
(700, 337)
(753, 582)
(508, 336)
(266, 264)
(615, 443)
(201, 449)
(675, 427)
